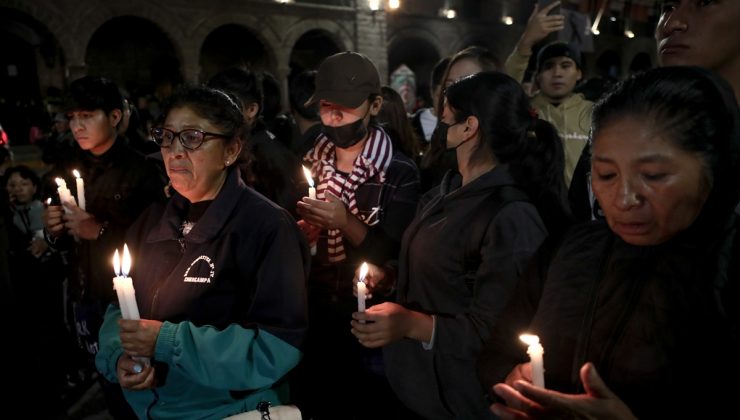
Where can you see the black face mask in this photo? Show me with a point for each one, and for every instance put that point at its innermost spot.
(346, 135)
(444, 127)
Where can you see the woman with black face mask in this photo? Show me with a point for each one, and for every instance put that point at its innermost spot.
(467, 247)
(366, 194)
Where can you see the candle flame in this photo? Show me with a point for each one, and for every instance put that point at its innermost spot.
(59, 182)
(529, 339)
(75, 173)
(363, 272)
(309, 178)
(48, 201)
(126, 261)
(116, 263)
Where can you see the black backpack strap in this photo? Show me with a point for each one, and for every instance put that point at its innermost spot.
(479, 224)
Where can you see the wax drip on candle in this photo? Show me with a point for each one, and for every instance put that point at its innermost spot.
(535, 352)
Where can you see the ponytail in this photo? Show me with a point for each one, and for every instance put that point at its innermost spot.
(539, 171)
(530, 146)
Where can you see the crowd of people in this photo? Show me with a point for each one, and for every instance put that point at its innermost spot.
(394, 259)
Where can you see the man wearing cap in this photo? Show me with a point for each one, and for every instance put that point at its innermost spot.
(366, 195)
(558, 71)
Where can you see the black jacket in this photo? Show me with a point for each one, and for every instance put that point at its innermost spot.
(433, 278)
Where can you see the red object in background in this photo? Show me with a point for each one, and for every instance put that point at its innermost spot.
(4, 141)
(35, 134)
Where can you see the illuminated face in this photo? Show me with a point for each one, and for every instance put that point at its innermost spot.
(558, 77)
(197, 174)
(21, 190)
(95, 131)
(649, 189)
(702, 33)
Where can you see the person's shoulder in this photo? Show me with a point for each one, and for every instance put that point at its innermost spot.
(260, 209)
(402, 167)
(586, 235)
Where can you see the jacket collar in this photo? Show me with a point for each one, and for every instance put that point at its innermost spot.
(213, 219)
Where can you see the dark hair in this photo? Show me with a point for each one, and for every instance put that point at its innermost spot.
(91, 93)
(439, 71)
(301, 89)
(481, 55)
(271, 96)
(511, 131)
(216, 106)
(691, 107)
(246, 85)
(395, 121)
(26, 173)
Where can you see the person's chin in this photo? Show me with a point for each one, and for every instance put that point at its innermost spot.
(640, 234)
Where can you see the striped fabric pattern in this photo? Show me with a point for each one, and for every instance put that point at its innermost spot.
(373, 160)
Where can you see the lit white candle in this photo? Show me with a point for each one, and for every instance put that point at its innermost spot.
(65, 196)
(312, 195)
(361, 288)
(124, 286)
(80, 189)
(535, 352)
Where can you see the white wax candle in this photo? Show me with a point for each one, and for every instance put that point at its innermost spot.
(535, 352)
(361, 288)
(312, 195)
(65, 196)
(80, 189)
(124, 286)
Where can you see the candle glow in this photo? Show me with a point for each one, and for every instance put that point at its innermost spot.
(80, 189)
(126, 266)
(361, 288)
(309, 178)
(311, 195)
(124, 287)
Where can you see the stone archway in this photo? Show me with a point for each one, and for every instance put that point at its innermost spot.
(420, 56)
(32, 75)
(310, 49)
(141, 60)
(233, 45)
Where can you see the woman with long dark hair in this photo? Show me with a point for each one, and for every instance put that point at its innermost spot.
(467, 247)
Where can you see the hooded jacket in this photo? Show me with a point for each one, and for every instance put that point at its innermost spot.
(572, 117)
(440, 383)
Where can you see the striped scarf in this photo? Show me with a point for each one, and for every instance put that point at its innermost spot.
(373, 160)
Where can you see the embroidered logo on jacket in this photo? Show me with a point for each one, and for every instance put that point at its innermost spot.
(203, 270)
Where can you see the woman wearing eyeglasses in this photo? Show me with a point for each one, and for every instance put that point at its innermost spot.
(223, 314)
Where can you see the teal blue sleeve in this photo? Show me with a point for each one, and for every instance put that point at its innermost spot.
(235, 358)
(110, 344)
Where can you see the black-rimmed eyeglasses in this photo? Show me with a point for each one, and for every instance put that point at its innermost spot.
(190, 139)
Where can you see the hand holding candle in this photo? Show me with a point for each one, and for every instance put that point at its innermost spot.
(361, 288)
(80, 189)
(312, 195)
(535, 352)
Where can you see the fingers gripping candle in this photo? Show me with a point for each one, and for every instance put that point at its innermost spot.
(535, 352)
(312, 195)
